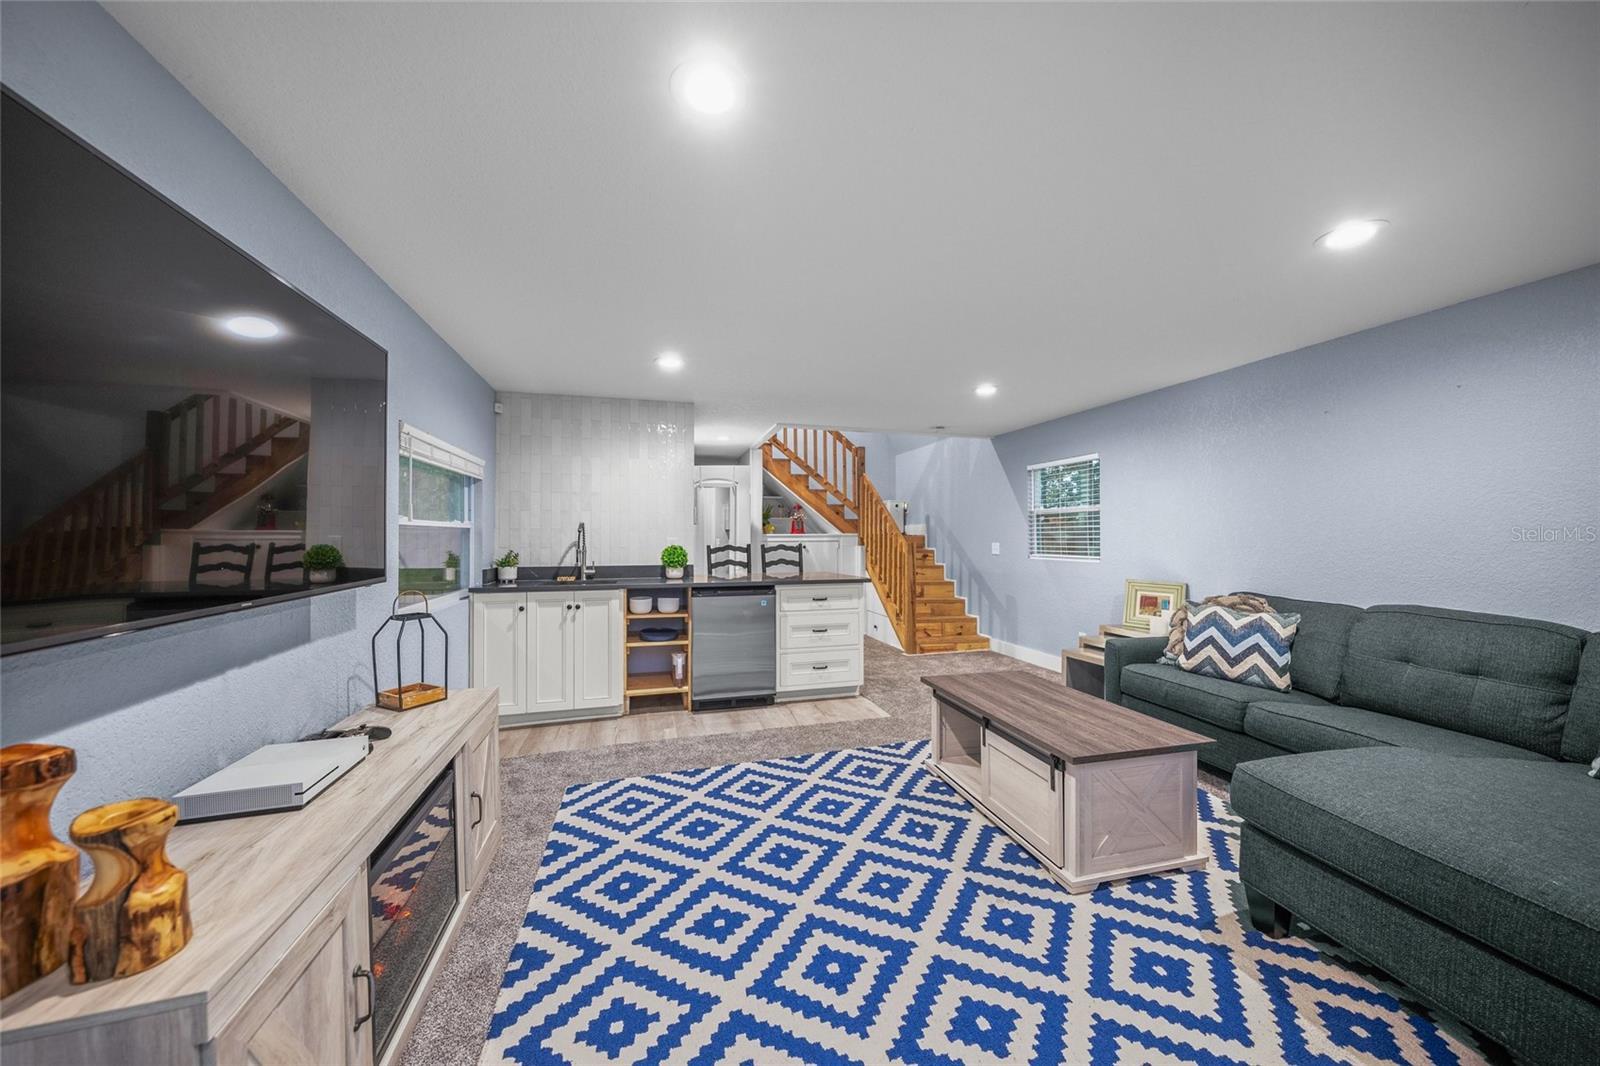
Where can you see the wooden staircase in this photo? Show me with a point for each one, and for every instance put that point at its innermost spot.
(826, 471)
(203, 453)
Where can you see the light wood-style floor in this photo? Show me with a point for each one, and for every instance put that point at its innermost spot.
(671, 723)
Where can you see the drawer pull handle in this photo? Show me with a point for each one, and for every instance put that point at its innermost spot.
(479, 819)
(824, 666)
(824, 629)
(365, 974)
(819, 599)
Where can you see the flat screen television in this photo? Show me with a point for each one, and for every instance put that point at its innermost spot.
(181, 431)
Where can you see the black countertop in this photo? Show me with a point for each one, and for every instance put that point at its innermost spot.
(535, 580)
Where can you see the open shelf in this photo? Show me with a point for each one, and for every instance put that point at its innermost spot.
(656, 614)
(684, 643)
(653, 685)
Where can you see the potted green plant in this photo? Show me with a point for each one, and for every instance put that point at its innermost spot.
(673, 560)
(322, 562)
(766, 519)
(452, 566)
(506, 567)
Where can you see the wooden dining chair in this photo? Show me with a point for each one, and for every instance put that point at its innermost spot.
(735, 555)
(239, 559)
(783, 555)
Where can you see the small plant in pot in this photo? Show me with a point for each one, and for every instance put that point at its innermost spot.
(673, 560)
(322, 562)
(505, 568)
(766, 520)
(452, 565)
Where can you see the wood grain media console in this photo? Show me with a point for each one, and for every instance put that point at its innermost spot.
(277, 972)
(1095, 791)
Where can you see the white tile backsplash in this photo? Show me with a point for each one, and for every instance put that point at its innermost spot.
(623, 467)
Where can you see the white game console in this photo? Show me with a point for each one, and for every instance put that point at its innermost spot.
(278, 777)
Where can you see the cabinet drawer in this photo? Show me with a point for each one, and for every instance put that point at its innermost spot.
(1024, 792)
(819, 597)
(820, 629)
(819, 669)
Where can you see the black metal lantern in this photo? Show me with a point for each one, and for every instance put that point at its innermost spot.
(419, 693)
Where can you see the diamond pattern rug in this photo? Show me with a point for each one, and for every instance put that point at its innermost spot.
(849, 907)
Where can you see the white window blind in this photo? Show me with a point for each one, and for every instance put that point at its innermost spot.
(1064, 509)
(415, 444)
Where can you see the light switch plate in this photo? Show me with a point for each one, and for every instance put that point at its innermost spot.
(994, 547)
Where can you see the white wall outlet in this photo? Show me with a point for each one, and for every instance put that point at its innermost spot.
(994, 547)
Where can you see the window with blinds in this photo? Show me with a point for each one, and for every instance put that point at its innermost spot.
(1064, 509)
(439, 489)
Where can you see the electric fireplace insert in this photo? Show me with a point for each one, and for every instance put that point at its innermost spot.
(412, 892)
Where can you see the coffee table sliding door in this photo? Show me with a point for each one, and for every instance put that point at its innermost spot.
(1022, 788)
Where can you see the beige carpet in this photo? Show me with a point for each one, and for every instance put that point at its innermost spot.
(456, 1015)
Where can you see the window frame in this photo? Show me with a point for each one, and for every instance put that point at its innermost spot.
(418, 447)
(1035, 512)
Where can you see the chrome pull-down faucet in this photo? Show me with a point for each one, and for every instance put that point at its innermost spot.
(583, 554)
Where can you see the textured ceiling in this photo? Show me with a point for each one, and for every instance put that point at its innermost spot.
(1079, 202)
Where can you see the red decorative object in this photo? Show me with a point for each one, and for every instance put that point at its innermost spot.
(797, 519)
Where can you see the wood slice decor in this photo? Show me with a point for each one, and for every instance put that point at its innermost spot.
(38, 873)
(136, 911)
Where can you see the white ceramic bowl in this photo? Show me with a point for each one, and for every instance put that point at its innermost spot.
(641, 604)
(667, 604)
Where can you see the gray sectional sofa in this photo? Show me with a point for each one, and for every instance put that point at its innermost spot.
(1421, 797)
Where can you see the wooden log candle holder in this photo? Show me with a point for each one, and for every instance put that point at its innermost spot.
(38, 873)
(136, 912)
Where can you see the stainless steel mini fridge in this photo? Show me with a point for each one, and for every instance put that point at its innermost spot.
(735, 645)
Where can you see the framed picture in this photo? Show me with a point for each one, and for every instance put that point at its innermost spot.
(1148, 599)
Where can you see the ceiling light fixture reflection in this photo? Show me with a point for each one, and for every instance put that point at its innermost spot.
(252, 327)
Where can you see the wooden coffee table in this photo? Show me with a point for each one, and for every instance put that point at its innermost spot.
(1095, 791)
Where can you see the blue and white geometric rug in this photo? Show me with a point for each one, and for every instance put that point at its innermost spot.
(848, 907)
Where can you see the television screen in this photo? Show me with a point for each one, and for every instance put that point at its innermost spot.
(181, 432)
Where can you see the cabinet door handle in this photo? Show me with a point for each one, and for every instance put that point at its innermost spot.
(577, 607)
(522, 608)
(479, 819)
(365, 974)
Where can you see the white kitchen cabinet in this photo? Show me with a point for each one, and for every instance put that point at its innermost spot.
(555, 653)
(597, 666)
(549, 651)
(499, 641)
(820, 649)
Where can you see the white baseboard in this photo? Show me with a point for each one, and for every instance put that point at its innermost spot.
(1032, 656)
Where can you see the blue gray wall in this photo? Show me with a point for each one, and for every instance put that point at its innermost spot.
(1414, 463)
(152, 712)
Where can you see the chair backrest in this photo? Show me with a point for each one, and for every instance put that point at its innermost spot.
(282, 558)
(782, 555)
(734, 555)
(242, 561)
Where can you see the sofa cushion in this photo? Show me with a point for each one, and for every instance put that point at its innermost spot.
(1319, 645)
(1250, 647)
(1507, 679)
(1298, 727)
(1498, 849)
(1580, 740)
(1207, 698)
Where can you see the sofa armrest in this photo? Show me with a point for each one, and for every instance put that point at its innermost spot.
(1125, 651)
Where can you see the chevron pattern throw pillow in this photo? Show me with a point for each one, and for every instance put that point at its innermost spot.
(1252, 648)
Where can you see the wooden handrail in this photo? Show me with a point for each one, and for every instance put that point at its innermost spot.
(827, 457)
(891, 563)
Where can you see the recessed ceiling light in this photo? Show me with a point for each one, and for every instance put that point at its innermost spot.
(722, 438)
(1351, 233)
(254, 327)
(706, 87)
(986, 390)
(669, 361)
